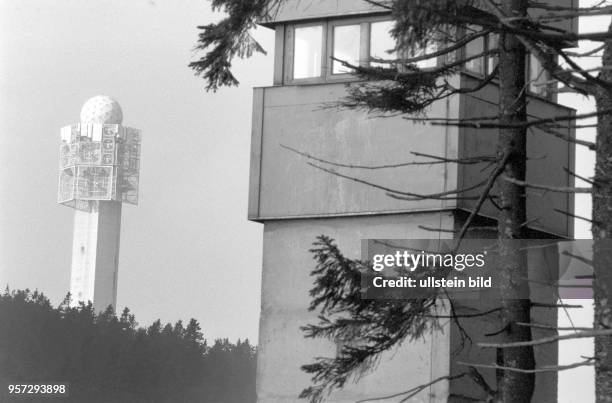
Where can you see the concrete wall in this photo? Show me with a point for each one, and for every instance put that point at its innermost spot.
(95, 254)
(548, 155)
(284, 185)
(284, 300)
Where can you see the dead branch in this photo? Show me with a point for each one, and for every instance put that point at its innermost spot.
(465, 315)
(397, 193)
(575, 175)
(589, 53)
(414, 390)
(551, 339)
(478, 123)
(437, 160)
(450, 231)
(550, 368)
(529, 123)
(558, 189)
(465, 161)
(584, 260)
(441, 195)
(552, 328)
(567, 213)
(555, 306)
(483, 196)
(568, 138)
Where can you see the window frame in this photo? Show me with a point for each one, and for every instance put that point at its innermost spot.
(462, 54)
(365, 22)
(364, 34)
(369, 38)
(383, 18)
(290, 52)
(327, 48)
(547, 90)
(491, 61)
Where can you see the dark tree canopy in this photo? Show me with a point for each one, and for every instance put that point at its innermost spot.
(106, 358)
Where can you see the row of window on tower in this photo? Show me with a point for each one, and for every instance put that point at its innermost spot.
(361, 43)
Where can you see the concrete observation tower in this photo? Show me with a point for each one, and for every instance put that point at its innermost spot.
(309, 36)
(98, 171)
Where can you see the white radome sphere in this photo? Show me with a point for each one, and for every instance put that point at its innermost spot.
(101, 109)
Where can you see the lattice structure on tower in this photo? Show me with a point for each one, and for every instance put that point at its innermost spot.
(98, 162)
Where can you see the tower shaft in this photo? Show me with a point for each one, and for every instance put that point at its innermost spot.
(95, 254)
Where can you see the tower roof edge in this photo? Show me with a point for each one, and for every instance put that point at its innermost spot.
(305, 10)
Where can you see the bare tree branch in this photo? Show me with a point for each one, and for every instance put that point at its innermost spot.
(552, 328)
(575, 175)
(567, 213)
(558, 189)
(551, 339)
(551, 368)
(414, 391)
(437, 160)
(398, 193)
(483, 196)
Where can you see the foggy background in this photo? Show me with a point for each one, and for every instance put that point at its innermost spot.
(187, 250)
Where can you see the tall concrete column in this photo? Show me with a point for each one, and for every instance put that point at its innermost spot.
(95, 254)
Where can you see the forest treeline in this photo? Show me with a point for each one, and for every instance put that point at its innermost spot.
(109, 358)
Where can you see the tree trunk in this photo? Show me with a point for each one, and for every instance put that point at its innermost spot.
(513, 387)
(602, 231)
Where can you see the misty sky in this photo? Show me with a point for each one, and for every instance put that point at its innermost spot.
(187, 250)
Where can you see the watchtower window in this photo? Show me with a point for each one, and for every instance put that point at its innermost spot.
(474, 63)
(313, 52)
(538, 77)
(317, 50)
(382, 44)
(493, 59)
(346, 47)
(308, 52)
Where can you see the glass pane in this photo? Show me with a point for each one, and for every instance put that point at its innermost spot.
(474, 48)
(493, 59)
(447, 38)
(538, 78)
(307, 52)
(382, 44)
(346, 47)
